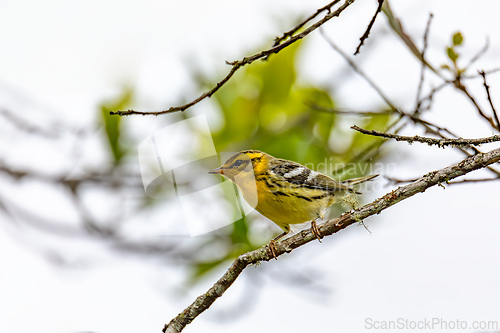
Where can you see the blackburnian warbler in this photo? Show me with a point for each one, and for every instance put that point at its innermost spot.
(284, 191)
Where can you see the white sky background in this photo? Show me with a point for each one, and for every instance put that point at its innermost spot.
(434, 255)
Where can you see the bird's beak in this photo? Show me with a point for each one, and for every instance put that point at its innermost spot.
(217, 171)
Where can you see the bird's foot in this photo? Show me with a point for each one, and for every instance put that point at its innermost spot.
(315, 230)
(272, 248)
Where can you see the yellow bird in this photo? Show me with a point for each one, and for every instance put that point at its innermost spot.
(284, 191)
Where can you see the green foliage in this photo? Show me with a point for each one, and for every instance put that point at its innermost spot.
(112, 124)
(203, 268)
(451, 51)
(452, 54)
(264, 108)
(458, 38)
(361, 141)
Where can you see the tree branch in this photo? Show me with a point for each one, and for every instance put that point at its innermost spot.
(423, 67)
(396, 25)
(50, 131)
(369, 28)
(487, 88)
(329, 227)
(290, 33)
(458, 84)
(395, 180)
(358, 70)
(245, 61)
(429, 141)
(348, 112)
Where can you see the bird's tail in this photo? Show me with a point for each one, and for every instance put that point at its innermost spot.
(349, 183)
(355, 181)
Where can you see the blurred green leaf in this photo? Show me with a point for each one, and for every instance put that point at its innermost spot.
(240, 232)
(202, 268)
(112, 124)
(362, 141)
(457, 38)
(452, 54)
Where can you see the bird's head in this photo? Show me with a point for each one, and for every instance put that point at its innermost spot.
(243, 166)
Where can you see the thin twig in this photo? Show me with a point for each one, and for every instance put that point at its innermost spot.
(360, 72)
(445, 83)
(329, 227)
(240, 63)
(395, 181)
(291, 32)
(371, 151)
(105, 177)
(429, 141)
(422, 69)
(350, 112)
(480, 53)
(396, 25)
(369, 28)
(52, 131)
(475, 76)
(462, 88)
(474, 180)
(430, 96)
(487, 87)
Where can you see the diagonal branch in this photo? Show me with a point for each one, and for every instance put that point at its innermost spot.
(369, 28)
(245, 61)
(395, 180)
(291, 32)
(358, 70)
(458, 84)
(429, 141)
(396, 25)
(423, 67)
(487, 87)
(330, 227)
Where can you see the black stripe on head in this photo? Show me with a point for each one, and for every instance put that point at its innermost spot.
(256, 159)
(246, 155)
(239, 163)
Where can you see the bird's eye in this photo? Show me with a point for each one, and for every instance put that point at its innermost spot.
(238, 163)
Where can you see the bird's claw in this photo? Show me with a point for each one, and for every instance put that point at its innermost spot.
(272, 248)
(315, 231)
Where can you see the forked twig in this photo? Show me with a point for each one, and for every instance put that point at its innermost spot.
(369, 28)
(487, 88)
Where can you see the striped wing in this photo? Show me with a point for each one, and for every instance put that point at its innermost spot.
(297, 175)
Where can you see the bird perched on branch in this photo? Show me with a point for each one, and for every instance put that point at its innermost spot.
(284, 191)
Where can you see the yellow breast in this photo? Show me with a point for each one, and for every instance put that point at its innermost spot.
(287, 207)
